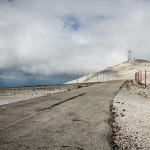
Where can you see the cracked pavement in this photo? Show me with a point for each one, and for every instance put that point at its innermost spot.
(74, 120)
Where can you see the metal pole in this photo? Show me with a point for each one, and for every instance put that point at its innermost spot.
(33, 82)
(77, 81)
(87, 79)
(107, 76)
(141, 76)
(135, 77)
(145, 78)
(100, 77)
(103, 77)
(138, 77)
(97, 77)
(60, 82)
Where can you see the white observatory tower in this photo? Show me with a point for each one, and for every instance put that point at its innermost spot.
(129, 55)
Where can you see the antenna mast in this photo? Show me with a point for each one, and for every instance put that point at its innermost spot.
(129, 55)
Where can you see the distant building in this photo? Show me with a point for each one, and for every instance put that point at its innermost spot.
(129, 56)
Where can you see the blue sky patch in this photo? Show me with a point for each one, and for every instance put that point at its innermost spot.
(72, 23)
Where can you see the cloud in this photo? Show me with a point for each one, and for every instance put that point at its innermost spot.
(71, 37)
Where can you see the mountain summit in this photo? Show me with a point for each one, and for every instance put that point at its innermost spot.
(125, 70)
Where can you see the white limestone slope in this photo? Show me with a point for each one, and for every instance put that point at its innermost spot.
(125, 70)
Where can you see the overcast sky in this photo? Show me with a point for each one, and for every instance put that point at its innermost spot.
(49, 37)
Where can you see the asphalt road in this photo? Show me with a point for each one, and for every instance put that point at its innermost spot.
(75, 120)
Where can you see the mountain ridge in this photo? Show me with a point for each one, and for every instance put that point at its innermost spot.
(125, 70)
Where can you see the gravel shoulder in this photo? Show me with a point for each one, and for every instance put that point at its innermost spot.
(131, 115)
(76, 120)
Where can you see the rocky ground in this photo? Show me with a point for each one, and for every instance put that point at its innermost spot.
(131, 117)
(10, 95)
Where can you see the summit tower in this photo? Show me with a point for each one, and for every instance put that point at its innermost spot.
(129, 55)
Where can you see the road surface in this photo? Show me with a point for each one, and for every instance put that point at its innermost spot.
(74, 120)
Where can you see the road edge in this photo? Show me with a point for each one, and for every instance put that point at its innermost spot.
(111, 120)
